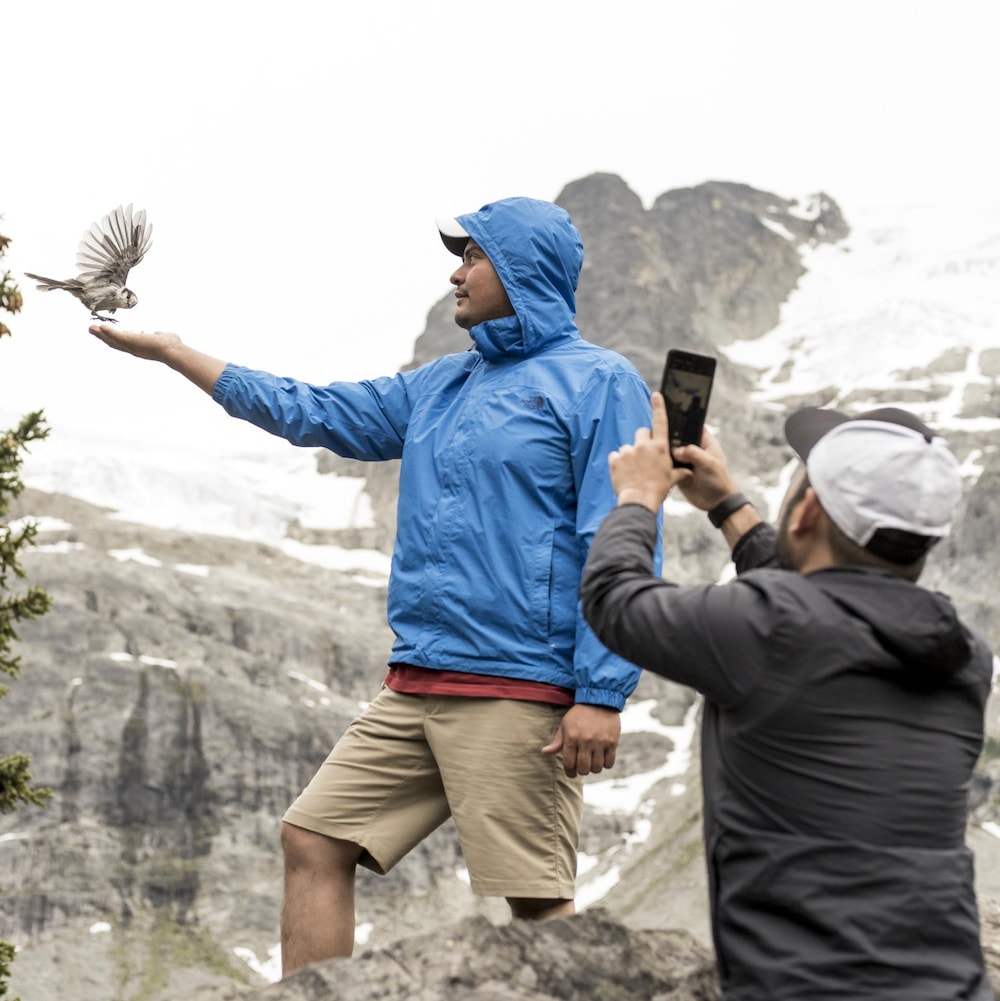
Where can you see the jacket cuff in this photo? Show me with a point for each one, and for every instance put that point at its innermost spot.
(755, 548)
(221, 389)
(600, 697)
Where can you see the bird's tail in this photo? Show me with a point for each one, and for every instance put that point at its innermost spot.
(48, 284)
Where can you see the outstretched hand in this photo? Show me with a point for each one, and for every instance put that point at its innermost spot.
(153, 347)
(202, 369)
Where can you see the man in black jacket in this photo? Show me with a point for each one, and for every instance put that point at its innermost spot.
(843, 706)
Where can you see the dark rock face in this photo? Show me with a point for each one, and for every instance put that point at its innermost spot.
(703, 266)
(175, 716)
(961, 569)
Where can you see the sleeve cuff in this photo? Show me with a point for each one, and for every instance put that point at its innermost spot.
(600, 697)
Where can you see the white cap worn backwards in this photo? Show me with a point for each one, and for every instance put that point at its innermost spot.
(884, 469)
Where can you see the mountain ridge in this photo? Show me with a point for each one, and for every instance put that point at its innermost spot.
(187, 683)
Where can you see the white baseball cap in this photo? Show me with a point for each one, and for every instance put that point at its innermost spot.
(453, 236)
(884, 469)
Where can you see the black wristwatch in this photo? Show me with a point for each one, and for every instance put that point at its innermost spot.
(726, 507)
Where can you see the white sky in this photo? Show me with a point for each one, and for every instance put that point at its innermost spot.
(292, 157)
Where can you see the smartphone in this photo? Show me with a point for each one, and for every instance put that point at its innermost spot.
(687, 385)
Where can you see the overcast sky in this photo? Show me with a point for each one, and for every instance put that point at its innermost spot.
(293, 156)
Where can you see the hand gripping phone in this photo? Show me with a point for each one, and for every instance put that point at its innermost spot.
(686, 387)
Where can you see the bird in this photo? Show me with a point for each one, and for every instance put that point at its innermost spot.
(105, 256)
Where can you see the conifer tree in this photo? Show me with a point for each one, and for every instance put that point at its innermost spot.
(18, 600)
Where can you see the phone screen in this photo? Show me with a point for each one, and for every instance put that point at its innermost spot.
(687, 385)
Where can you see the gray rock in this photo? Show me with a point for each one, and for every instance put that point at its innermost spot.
(571, 959)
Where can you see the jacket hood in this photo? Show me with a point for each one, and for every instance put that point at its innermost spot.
(537, 253)
(919, 627)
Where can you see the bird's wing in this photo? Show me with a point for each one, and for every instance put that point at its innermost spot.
(108, 252)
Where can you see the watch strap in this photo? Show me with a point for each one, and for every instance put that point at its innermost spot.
(718, 514)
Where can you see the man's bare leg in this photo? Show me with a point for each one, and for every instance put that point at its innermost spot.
(538, 909)
(317, 916)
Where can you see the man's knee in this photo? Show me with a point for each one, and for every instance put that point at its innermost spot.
(305, 849)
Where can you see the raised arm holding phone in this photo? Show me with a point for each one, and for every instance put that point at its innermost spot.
(843, 705)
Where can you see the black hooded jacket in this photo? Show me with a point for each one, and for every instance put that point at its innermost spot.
(843, 717)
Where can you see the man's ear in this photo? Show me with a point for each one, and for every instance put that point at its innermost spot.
(807, 514)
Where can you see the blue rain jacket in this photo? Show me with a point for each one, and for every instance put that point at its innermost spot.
(504, 477)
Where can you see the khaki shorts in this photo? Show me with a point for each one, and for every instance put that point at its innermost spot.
(411, 761)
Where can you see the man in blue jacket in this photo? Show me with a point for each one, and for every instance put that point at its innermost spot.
(498, 696)
(844, 707)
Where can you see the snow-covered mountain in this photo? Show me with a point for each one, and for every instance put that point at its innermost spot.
(907, 307)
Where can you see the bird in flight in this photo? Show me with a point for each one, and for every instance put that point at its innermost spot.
(106, 254)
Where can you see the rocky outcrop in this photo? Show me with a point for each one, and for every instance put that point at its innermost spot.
(572, 959)
(582, 958)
